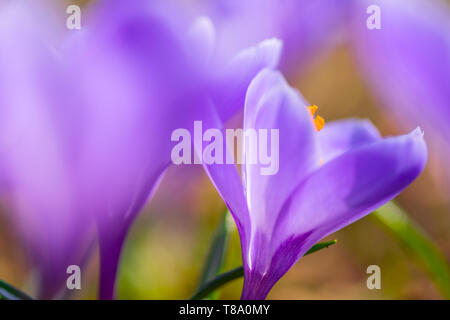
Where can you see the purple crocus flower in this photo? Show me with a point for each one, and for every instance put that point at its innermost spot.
(38, 139)
(307, 28)
(326, 180)
(407, 63)
(172, 77)
(86, 125)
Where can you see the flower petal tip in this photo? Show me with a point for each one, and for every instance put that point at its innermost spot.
(418, 132)
(420, 146)
(272, 49)
(203, 25)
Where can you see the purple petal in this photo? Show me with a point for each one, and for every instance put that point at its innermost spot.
(340, 136)
(407, 61)
(357, 182)
(36, 135)
(231, 87)
(309, 30)
(227, 181)
(202, 33)
(342, 191)
(140, 81)
(281, 108)
(306, 28)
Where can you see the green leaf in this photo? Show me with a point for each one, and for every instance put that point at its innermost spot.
(320, 246)
(236, 273)
(217, 282)
(8, 292)
(418, 244)
(217, 251)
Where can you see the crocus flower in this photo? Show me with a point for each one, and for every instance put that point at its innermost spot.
(38, 140)
(172, 75)
(327, 180)
(407, 63)
(86, 124)
(306, 28)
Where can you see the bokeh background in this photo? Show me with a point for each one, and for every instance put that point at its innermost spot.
(169, 241)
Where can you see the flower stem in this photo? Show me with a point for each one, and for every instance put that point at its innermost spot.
(110, 250)
(217, 282)
(236, 273)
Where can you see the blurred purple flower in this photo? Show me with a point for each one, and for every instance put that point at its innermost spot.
(326, 180)
(406, 62)
(306, 28)
(147, 73)
(86, 125)
(38, 142)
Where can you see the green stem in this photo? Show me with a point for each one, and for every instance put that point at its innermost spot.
(217, 282)
(238, 272)
(217, 251)
(8, 292)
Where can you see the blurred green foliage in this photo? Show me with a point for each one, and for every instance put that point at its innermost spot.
(417, 243)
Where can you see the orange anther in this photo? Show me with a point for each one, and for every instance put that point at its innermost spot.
(319, 122)
(313, 109)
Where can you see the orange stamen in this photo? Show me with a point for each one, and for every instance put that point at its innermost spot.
(313, 109)
(319, 122)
